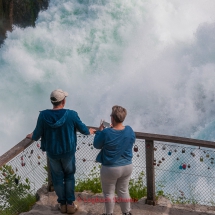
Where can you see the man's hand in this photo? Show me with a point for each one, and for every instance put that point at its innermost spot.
(92, 130)
(29, 136)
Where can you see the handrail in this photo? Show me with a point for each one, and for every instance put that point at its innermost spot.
(13, 152)
(173, 139)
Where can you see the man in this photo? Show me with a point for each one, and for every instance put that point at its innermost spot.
(57, 128)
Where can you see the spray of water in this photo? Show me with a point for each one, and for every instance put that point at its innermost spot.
(154, 58)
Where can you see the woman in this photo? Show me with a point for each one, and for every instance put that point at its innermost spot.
(116, 145)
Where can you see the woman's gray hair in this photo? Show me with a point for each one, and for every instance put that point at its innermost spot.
(118, 113)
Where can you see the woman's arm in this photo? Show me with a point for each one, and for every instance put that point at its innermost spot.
(99, 140)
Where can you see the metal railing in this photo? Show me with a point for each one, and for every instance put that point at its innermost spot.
(182, 169)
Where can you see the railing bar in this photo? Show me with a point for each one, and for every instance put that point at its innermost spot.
(13, 152)
(173, 139)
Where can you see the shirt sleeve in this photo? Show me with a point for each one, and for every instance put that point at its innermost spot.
(38, 131)
(99, 140)
(81, 127)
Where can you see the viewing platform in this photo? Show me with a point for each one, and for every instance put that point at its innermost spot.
(171, 175)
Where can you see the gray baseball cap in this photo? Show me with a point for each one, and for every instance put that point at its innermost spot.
(58, 94)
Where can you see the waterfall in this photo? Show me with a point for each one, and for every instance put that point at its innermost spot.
(155, 58)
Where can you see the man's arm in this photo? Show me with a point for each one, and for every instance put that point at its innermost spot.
(99, 138)
(82, 128)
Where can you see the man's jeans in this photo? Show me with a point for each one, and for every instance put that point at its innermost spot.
(62, 171)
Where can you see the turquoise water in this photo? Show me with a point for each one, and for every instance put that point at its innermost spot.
(154, 58)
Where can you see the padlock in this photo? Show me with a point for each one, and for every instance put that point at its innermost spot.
(89, 144)
(91, 147)
(188, 165)
(21, 158)
(84, 160)
(32, 151)
(177, 159)
(78, 148)
(181, 167)
(155, 148)
(159, 161)
(212, 162)
(183, 150)
(158, 164)
(207, 155)
(184, 166)
(154, 160)
(192, 153)
(163, 159)
(83, 142)
(208, 167)
(154, 163)
(38, 145)
(201, 159)
(38, 157)
(164, 147)
(170, 152)
(175, 150)
(38, 163)
(136, 148)
(138, 155)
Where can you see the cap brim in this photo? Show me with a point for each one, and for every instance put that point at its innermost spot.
(66, 94)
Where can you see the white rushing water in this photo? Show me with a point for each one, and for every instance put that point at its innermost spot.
(155, 58)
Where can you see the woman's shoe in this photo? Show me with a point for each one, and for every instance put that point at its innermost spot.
(128, 213)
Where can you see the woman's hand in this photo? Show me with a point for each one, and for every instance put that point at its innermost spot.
(101, 127)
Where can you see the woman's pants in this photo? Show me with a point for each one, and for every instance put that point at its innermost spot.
(116, 179)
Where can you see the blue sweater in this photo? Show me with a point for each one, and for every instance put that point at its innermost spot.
(57, 129)
(116, 146)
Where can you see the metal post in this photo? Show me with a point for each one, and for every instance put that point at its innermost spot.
(50, 184)
(150, 173)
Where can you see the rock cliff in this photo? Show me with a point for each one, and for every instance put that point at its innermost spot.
(22, 13)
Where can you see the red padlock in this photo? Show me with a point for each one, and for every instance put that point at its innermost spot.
(136, 148)
(184, 166)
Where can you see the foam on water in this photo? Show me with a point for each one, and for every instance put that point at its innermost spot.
(155, 58)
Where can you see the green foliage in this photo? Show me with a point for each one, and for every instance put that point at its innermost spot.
(15, 195)
(92, 182)
(136, 187)
(46, 172)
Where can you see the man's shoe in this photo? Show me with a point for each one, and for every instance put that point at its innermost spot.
(63, 208)
(129, 213)
(71, 209)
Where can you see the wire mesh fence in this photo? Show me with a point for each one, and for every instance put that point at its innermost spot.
(183, 174)
(20, 178)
